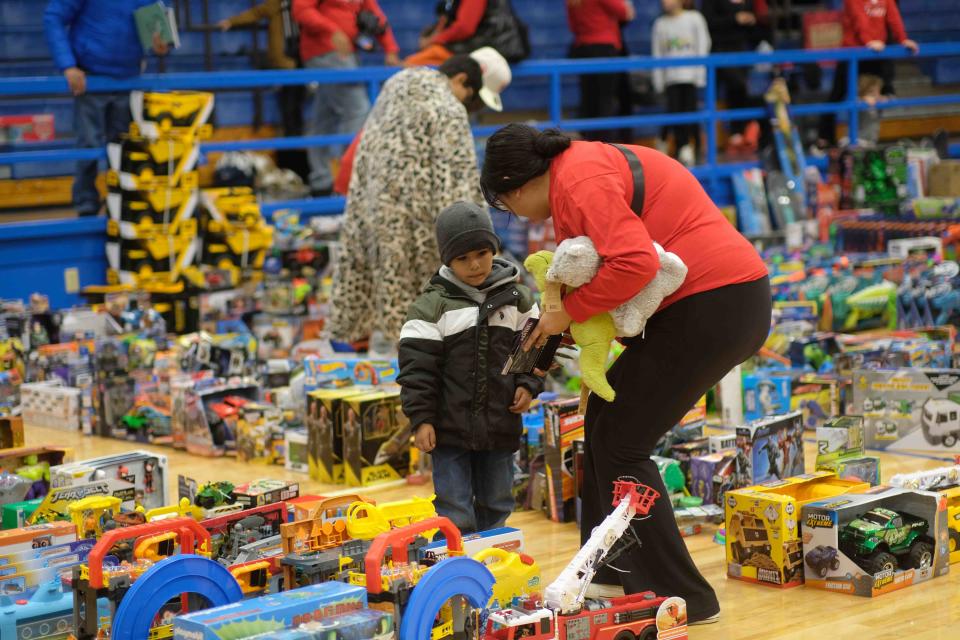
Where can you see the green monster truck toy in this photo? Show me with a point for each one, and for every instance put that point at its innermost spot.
(882, 539)
(214, 494)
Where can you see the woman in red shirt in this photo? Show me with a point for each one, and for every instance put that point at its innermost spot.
(625, 198)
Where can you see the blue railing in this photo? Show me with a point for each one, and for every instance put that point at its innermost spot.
(555, 70)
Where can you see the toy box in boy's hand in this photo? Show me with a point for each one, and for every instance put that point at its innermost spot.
(770, 449)
(876, 542)
(325, 432)
(563, 424)
(538, 357)
(909, 409)
(376, 438)
(766, 393)
(711, 475)
(763, 540)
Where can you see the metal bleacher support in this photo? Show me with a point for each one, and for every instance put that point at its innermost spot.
(15, 266)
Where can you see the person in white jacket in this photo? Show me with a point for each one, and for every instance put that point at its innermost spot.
(680, 33)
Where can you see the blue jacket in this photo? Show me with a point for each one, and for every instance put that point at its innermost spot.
(99, 36)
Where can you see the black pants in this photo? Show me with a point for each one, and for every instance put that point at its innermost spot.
(682, 98)
(732, 81)
(290, 99)
(688, 348)
(603, 95)
(882, 68)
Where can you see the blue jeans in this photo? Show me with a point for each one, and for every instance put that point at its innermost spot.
(97, 119)
(334, 108)
(474, 488)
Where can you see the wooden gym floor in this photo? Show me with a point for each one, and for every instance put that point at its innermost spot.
(929, 611)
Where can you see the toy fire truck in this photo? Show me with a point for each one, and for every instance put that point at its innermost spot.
(567, 615)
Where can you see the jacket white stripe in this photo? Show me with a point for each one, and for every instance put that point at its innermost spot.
(453, 322)
(505, 316)
(420, 329)
(532, 312)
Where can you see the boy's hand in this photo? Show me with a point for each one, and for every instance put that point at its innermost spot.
(426, 438)
(160, 47)
(521, 400)
(911, 45)
(77, 80)
(877, 45)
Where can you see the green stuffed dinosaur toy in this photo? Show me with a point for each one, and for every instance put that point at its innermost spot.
(593, 336)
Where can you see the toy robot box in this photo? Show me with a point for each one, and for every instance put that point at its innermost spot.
(325, 432)
(875, 542)
(376, 438)
(763, 530)
(909, 409)
(770, 449)
(274, 612)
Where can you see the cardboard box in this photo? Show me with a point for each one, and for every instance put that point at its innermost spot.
(834, 561)
(376, 438)
(272, 612)
(562, 425)
(35, 127)
(840, 449)
(945, 179)
(295, 450)
(712, 475)
(766, 393)
(11, 432)
(816, 398)
(346, 370)
(763, 541)
(258, 493)
(325, 432)
(50, 405)
(259, 428)
(909, 409)
(770, 449)
(145, 470)
(506, 538)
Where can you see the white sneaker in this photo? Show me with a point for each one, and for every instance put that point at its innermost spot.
(686, 156)
(597, 591)
(711, 620)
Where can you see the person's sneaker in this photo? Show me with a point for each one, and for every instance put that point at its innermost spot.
(686, 156)
(711, 620)
(597, 591)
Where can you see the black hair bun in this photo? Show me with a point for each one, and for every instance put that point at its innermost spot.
(550, 143)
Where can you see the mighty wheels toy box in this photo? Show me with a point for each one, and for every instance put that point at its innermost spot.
(909, 409)
(763, 529)
(876, 542)
(770, 449)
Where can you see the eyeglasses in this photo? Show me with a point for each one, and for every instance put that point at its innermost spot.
(493, 199)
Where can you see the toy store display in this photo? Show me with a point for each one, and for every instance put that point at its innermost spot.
(376, 438)
(946, 482)
(875, 542)
(563, 425)
(763, 542)
(770, 449)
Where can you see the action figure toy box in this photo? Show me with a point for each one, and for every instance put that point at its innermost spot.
(770, 449)
(274, 612)
(211, 417)
(875, 542)
(11, 432)
(55, 505)
(909, 409)
(147, 471)
(259, 430)
(257, 493)
(563, 424)
(376, 438)
(712, 475)
(686, 451)
(816, 398)
(766, 393)
(763, 529)
(325, 433)
(840, 449)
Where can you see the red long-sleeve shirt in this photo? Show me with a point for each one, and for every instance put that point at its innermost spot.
(597, 21)
(319, 20)
(465, 23)
(867, 20)
(591, 188)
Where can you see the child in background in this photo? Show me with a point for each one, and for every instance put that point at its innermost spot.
(457, 337)
(870, 90)
(681, 33)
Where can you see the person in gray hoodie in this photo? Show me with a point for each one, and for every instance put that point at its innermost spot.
(453, 345)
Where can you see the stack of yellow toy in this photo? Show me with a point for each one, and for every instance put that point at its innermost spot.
(235, 236)
(153, 191)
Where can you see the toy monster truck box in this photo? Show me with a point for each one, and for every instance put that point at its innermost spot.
(909, 409)
(770, 449)
(875, 542)
(274, 612)
(376, 438)
(325, 433)
(763, 527)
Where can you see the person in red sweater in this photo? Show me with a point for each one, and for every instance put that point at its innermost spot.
(463, 26)
(328, 31)
(871, 24)
(624, 198)
(596, 27)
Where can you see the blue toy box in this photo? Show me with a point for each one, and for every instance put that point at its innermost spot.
(770, 449)
(344, 371)
(365, 624)
(275, 612)
(766, 393)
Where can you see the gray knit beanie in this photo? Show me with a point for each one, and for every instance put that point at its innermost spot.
(463, 227)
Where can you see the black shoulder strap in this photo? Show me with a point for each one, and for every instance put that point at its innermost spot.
(636, 168)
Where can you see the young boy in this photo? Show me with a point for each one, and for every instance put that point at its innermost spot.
(453, 346)
(870, 90)
(678, 34)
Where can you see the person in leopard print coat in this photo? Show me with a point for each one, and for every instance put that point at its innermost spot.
(415, 157)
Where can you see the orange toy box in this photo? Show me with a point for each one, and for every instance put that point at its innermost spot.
(13, 541)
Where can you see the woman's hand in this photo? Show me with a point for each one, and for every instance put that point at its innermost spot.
(521, 400)
(551, 323)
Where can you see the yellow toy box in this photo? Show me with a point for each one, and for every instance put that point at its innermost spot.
(376, 438)
(325, 433)
(763, 526)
